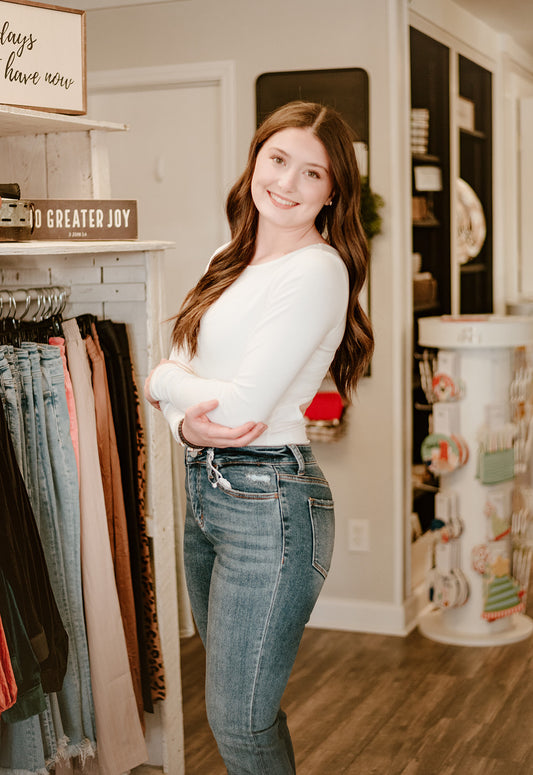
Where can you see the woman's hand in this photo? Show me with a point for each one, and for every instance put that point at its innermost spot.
(198, 429)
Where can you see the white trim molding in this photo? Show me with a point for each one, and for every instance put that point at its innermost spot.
(221, 74)
(369, 616)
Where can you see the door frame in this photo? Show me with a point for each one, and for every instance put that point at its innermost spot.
(220, 74)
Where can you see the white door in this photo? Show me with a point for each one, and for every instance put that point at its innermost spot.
(170, 162)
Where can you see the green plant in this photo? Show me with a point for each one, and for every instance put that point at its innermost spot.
(371, 203)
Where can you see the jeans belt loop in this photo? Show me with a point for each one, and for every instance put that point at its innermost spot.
(298, 457)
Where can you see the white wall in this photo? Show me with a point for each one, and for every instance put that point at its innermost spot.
(368, 468)
(365, 468)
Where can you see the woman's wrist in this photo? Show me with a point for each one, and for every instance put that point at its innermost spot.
(184, 440)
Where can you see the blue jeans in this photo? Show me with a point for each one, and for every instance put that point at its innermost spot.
(66, 728)
(10, 389)
(258, 541)
(75, 699)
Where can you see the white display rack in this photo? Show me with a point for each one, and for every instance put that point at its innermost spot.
(484, 349)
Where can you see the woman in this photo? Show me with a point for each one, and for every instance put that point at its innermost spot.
(277, 307)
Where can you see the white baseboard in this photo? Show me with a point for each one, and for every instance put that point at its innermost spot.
(334, 613)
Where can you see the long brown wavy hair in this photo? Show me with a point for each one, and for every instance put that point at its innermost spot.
(339, 224)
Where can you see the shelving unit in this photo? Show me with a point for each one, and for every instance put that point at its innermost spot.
(56, 156)
(456, 152)
(430, 83)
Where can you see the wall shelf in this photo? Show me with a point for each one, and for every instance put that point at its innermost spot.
(42, 248)
(22, 121)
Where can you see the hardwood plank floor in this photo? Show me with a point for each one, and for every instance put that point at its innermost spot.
(361, 704)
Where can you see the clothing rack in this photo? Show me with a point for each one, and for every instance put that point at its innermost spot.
(35, 304)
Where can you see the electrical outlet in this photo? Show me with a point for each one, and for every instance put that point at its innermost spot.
(358, 535)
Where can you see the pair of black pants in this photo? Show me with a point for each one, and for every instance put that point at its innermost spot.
(23, 563)
(115, 345)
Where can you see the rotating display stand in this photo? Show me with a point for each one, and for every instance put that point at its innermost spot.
(470, 408)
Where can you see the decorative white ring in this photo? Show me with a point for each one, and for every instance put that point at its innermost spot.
(471, 226)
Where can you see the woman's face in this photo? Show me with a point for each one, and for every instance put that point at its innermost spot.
(292, 179)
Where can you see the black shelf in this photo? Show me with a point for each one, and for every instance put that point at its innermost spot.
(472, 268)
(426, 223)
(419, 308)
(474, 133)
(425, 157)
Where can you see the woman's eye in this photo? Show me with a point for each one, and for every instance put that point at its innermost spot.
(277, 159)
(313, 174)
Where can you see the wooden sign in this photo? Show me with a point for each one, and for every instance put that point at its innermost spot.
(42, 57)
(85, 219)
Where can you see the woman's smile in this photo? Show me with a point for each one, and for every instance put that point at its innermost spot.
(280, 201)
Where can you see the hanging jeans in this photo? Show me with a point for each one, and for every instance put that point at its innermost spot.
(59, 342)
(10, 395)
(258, 541)
(121, 744)
(29, 420)
(56, 501)
(63, 545)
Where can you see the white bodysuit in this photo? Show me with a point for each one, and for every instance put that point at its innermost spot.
(264, 346)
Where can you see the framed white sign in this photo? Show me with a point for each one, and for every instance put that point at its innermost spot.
(42, 57)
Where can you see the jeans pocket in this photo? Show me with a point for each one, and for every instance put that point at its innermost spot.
(249, 482)
(322, 515)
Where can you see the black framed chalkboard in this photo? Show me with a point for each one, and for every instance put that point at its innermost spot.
(345, 89)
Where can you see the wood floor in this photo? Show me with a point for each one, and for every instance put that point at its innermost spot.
(362, 704)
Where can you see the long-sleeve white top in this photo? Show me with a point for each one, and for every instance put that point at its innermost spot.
(264, 346)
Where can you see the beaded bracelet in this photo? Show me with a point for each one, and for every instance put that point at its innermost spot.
(185, 441)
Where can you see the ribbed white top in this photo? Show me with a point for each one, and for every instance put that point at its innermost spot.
(264, 346)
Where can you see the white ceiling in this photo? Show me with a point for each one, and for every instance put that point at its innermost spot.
(514, 17)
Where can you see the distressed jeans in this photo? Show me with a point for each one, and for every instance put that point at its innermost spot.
(258, 542)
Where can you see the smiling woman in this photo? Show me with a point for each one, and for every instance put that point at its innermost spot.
(291, 173)
(275, 310)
